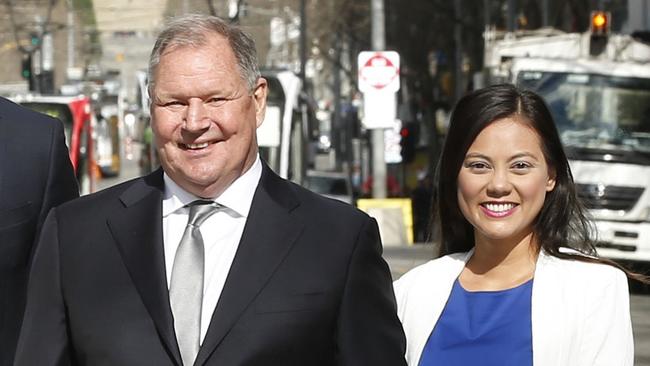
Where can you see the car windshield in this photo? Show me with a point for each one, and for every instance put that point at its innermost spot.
(327, 185)
(595, 111)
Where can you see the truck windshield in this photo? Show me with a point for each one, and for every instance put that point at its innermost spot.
(596, 112)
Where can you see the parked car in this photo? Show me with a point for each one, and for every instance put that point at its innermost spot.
(336, 185)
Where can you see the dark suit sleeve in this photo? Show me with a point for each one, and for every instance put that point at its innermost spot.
(369, 330)
(44, 338)
(61, 183)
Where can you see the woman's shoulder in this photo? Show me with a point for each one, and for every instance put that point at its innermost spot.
(448, 265)
(583, 270)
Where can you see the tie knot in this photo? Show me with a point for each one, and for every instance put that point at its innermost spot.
(200, 210)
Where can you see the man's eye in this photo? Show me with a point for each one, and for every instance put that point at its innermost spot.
(173, 103)
(217, 101)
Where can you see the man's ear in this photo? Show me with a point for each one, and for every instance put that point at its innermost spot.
(259, 97)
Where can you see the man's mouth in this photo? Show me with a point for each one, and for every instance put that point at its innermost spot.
(200, 146)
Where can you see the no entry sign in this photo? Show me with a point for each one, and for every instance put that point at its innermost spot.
(378, 71)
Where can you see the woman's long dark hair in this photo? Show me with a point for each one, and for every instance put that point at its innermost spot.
(561, 222)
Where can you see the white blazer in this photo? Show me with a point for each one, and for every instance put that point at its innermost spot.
(580, 311)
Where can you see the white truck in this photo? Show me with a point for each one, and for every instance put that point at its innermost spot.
(597, 86)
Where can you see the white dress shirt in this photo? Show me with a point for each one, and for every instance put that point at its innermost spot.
(221, 232)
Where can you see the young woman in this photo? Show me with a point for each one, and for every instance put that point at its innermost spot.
(520, 283)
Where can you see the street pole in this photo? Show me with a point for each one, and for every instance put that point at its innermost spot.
(511, 16)
(459, 86)
(545, 19)
(339, 135)
(71, 45)
(303, 43)
(378, 159)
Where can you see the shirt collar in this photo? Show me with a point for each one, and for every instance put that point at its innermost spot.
(238, 197)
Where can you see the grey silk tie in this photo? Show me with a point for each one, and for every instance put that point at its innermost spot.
(186, 289)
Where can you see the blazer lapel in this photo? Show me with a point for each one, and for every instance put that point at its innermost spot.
(137, 229)
(269, 234)
(550, 324)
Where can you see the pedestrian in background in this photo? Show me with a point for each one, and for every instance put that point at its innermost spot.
(421, 205)
(35, 175)
(213, 259)
(519, 282)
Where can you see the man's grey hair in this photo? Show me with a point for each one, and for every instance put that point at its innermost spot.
(194, 30)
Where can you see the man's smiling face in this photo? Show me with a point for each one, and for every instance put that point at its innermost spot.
(204, 116)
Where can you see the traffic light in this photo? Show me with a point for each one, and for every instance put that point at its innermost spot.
(599, 29)
(599, 23)
(408, 142)
(26, 67)
(34, 40)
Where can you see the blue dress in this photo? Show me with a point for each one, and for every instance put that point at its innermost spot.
(483, 328)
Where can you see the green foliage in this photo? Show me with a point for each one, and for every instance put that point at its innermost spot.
(85, 10)
(86, 13)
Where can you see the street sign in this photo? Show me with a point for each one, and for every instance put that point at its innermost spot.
(379, 110)
(392, 146)
(379, 81)
(378, 71)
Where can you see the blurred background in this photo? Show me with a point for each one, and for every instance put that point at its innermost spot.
(364, 127)
(99, 48)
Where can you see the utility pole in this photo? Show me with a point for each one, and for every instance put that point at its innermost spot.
(339, 135)
(459, 85)
(545, 18)
(71, 39)
(511, 15)
(303, 43)
(378, 159)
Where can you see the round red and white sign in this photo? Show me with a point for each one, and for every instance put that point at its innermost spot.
(378, 71)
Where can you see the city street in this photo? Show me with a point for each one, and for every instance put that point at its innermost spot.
(403, 258)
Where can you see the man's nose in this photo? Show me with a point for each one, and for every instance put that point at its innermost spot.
(499, 184)
(196, 117)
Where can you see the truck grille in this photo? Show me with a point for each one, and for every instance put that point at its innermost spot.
(602, 197)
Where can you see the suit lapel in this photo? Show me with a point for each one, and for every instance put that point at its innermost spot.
(137, 229)
(269, 234)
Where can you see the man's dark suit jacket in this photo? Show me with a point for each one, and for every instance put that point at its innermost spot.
(35, 175)
(307, 286)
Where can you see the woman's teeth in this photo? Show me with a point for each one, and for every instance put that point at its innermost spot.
(499, 207)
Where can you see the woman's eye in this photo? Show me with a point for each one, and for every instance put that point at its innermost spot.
(521, 165)
(477, 165)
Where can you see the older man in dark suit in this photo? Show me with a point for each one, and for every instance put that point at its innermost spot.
(35, 175)
(214, 260)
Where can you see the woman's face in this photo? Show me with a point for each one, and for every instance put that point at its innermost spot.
(503, 181)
